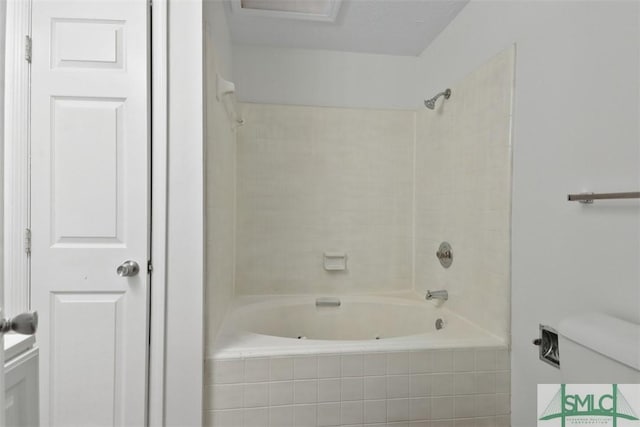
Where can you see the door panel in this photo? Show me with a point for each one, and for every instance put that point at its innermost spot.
(104, 51)
(87, 196)
(70, 315)
(90, 208)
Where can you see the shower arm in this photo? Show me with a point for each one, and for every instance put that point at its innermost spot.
(430, 103)
(446, 94)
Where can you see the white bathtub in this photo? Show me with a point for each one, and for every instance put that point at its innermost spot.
(260, 373)
(288, 325)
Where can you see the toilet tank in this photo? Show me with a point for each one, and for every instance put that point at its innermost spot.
(597, 348)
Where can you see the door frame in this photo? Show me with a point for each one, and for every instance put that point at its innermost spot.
(17, 98)
(176, 353)
(158, 250)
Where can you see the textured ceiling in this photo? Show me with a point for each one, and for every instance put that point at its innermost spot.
(393, 27)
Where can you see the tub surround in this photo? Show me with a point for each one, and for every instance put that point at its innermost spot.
(463, 194)
(313, 180)
(467, 386)
(384, 188)
(220, 169)
(261, 374)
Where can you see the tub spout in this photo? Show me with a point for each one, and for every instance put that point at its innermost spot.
(441, 295)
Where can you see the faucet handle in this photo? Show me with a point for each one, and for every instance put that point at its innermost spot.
(445, 254)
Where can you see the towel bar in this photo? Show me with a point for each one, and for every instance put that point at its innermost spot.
(590, 197)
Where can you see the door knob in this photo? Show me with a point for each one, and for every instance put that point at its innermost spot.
(128, 268)
(25, 323)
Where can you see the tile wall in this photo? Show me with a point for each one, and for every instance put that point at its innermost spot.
(385, 187)
(220, 197)
(463, 195)
(314, 180)
(434, 388)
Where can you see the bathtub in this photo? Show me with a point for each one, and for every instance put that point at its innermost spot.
(376, 360)
(285, 325)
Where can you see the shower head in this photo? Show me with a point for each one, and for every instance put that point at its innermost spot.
(431, 103)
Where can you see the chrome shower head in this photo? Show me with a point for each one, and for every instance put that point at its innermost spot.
(431, 103)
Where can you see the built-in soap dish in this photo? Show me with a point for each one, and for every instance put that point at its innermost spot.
(335, 261)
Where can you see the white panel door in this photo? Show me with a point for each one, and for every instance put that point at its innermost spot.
(90, 209)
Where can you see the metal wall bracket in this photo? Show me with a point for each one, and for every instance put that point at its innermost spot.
(27, 241)
(27, 49)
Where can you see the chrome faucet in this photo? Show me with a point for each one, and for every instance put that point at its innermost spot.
(441, 295)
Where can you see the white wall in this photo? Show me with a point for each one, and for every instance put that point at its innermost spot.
(325, 78)
(314, 180)
(576, 128)
(218, 37)
(463, 189)
(220, 173)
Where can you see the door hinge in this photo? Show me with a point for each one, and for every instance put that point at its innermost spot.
(149, 267)
(27, 241)
(27, 48)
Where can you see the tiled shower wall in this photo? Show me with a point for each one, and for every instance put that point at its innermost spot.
(463, 194)
(220, 168)
(314, 180)
(435, 388)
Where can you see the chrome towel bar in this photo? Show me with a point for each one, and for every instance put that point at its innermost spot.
(590, 197)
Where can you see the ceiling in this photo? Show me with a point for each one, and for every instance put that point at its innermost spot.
(393, 27)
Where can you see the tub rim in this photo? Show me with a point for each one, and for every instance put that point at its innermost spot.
(231, 343)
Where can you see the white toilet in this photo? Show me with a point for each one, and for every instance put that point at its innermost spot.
(599, 349)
